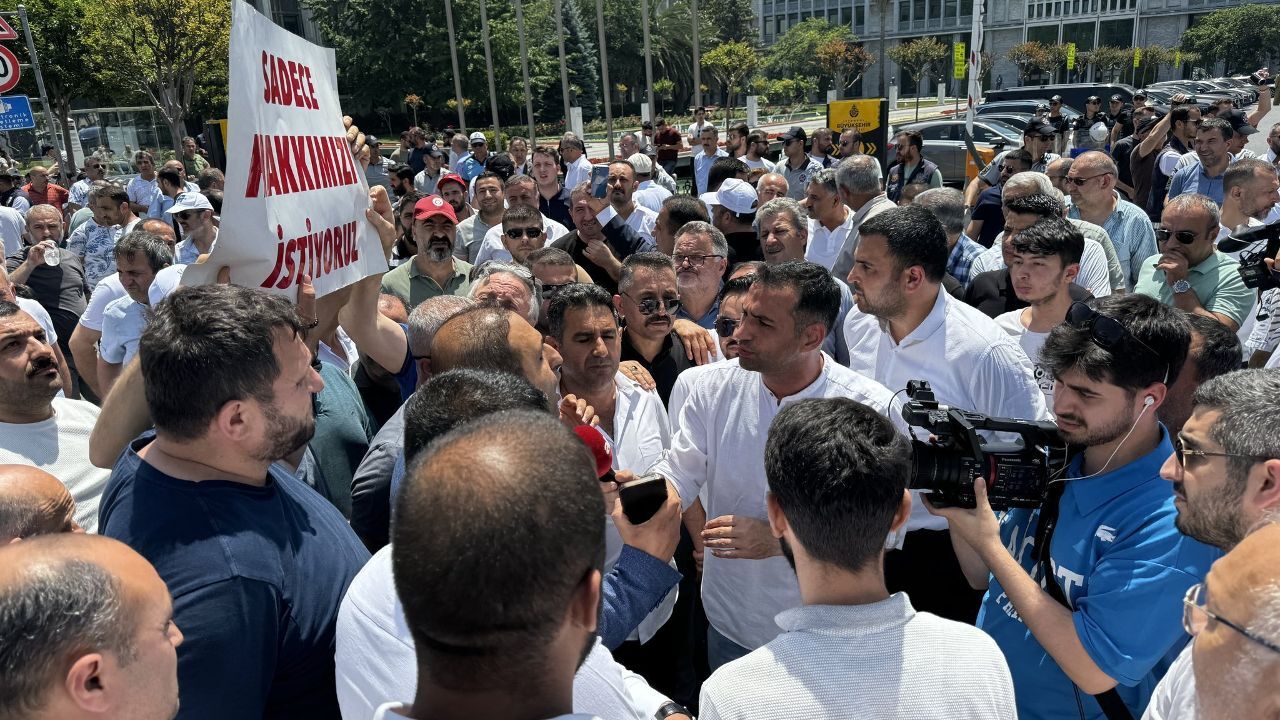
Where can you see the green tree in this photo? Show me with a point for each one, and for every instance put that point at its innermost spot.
(581, 58)
(1243, 37)
(730, 18)
(844, 62)
(795, 54)
(921, 59)
(1028, 57)
(161, 47)
(1107, 61)
(1153, 56)
(1054, 60)
(662, 89)
(732, 62)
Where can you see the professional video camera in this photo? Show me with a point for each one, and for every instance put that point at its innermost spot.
(1017, 473)
(1253, 269)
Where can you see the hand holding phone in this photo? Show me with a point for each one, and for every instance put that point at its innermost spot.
(599, 180)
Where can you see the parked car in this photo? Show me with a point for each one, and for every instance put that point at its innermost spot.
(1023, 106)
(1072, 94)
(944, 144)
(1016, 119)
(1202, 89)
(1161, 98)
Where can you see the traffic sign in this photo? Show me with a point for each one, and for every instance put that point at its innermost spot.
(15, 113)
(10, 73)
(6, 30)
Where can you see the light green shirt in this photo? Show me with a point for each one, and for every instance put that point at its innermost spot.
(406, 282)
(1215, 281)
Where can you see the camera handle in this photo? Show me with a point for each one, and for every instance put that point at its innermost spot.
(1112, 706)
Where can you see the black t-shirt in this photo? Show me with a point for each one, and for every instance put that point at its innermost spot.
(557, 208)
(1121, 152)
(989, 211)
(1058, 122)
(992, 293)
(1084, 122)
(666, 366)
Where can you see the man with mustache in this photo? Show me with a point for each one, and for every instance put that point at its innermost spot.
(434, 270)
(647, 298)
(37, 427)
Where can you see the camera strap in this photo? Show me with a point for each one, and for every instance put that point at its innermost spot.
(1112, 706)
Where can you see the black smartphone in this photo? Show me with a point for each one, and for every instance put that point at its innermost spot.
(642, 497)
(599, 180)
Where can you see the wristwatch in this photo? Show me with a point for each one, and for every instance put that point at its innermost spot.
(671, 708)
(1181, 286)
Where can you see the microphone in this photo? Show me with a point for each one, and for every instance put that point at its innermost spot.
(601, 449)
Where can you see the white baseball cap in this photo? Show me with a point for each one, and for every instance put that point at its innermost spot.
(641, 163)
(190, 201)
(478, 137)
(737, 196)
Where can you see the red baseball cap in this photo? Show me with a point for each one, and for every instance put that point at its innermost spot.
(451, 177)
(431, 206)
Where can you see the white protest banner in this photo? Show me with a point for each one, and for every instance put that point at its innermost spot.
(295, 197)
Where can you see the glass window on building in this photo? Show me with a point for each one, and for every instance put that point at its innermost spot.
(918, 13)
(966, 8)
(859, 18)
(1047, 34)
(1116, 33)
(1079, 33)
(950, 9)
(904, 13)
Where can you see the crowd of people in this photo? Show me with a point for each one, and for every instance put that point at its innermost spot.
(648, 455)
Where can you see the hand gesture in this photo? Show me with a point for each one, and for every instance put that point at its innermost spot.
(1174, 265)
(740, 538)
(636, 372)
(575, 411)
(698, 345)
(379, 215)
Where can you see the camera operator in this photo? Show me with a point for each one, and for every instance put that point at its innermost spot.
(925, 334)
(1226, 482)
(1106, 623)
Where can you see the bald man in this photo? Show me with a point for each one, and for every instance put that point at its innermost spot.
(33, 502)
(489, 338)
(86, 631)
(1235, 618)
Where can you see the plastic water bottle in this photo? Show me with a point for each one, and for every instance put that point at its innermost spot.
(52, 257)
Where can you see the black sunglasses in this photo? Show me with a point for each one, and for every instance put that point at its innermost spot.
(532, 232)
(1186, 237)
(649, 306)
(1106, 332)
(725, 326)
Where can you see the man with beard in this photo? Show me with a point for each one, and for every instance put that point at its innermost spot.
(718, 447)
(37, 426)
(897, 276)
(95, 170)
(489, 205)
(453, 190)
(553, 198)
(140, 255)
(534, 640)
(1214, 351)
(521, 192)
(93, 242)
(1104, 625)
(832, 532)
(1251, 190)
(1225, 472)
(194, 214)
(229, 531)
(602, 240)
(434, 270)
(1190, 273)
(426, 181)
(622, 185)
(1213, 139)
(647, 300)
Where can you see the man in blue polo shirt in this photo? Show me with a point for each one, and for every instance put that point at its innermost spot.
(1109, 624)
(1205, 177)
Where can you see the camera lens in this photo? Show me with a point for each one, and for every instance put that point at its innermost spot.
(944, 471)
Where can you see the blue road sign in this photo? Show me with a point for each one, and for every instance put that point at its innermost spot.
(15, 113)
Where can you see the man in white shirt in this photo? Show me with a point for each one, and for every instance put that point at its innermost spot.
(699, 124)
(757, 144)
(95, 170)
(718, 449)
(829, 661)
(534, 641)
(139, 256)
(925, 334)
(858, 179)
(143, 187)
(708, 143)
(649, 193)
(622, 185)
(194, 214)
(1249, 194)
(830, 221)
(577, 168)
(523, 229)
(822, 147)
(426, 179)
(1044, 261)
(520, 190)
(37, 427)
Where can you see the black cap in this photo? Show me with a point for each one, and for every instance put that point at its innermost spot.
(370, 140)
(1239, 122)
(1056, 99)
(1040, 127)
(434, 151)
(1139, 95)
(1117, 98)
(795, 133)
(1093, 99)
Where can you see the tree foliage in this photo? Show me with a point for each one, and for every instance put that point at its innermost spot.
(921, 58)
(1028, 57)
(844, 62)
(1107, 61)
(795, 54)
(1243, 37)
(1053, 60)
(732, 63)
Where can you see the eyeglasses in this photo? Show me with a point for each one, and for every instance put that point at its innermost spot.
(550, 291)
(530, 232)
(1186, 237)
(184, 215)
(1079, 182)
(1008, 169)
(1106, 332)
(649, 306)
(725, 326)
(1181, 452)
(1196, 616)
(693, 260)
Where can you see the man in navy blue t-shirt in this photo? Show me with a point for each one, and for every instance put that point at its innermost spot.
(1116, 555)
(257, 562)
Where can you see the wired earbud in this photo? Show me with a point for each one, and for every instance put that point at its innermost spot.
(1151, 400)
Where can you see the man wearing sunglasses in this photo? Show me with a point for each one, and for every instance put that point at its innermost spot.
(1037, 140)
(1105, 624)
(78, 195)
(194, 214)
(1189, 272)
(648, 298)
(1092, 183)
(1225, 471)
(1170, 139)
(1082, 126)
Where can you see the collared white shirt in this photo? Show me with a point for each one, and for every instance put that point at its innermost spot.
(651, 195)
(577, 172)
(1093, 275)
(375, 661)
(492, 249)
(970, 363)
(824, 245)
(718, 450)
(643, 220)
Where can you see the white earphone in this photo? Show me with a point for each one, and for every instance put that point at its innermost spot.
(1151, 400)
